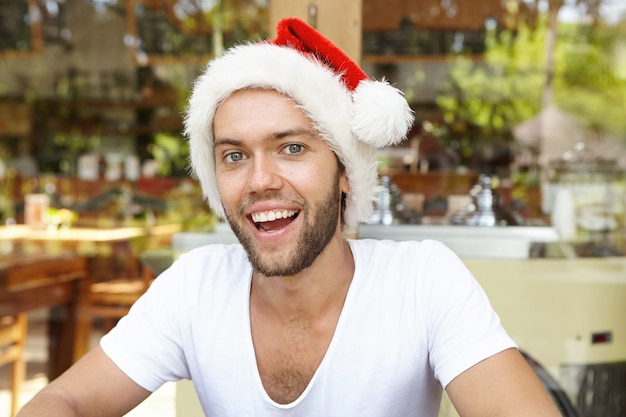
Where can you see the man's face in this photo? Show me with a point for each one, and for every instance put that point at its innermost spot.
(279, 182)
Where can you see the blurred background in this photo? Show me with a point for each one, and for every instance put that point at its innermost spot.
(516, 160)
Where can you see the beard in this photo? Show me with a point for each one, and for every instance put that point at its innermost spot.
(320, 224)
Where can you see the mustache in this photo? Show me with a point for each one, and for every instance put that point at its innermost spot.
(267, 196)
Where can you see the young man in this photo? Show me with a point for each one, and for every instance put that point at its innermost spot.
(298, 320)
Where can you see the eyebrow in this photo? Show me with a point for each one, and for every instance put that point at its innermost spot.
(311, 133)
(295, 132)
(226, 141)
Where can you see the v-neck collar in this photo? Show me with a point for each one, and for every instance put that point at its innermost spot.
(337, 334)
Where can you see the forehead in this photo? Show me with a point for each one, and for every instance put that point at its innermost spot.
(259, 102)
(258, 96)
(260, 109)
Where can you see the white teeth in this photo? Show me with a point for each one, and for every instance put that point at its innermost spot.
(270, 216)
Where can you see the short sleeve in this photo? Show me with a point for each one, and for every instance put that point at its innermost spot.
(147, 343)
(462, 326)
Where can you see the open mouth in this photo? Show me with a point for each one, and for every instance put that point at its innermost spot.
(273, 220)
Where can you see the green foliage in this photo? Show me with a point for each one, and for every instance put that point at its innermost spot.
(186, 207)
(507, 87)
(170, 151)
(589, 84)
(501, 91)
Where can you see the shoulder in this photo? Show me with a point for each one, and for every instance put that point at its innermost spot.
(214, 254)
(382, 244)
(209, 265)
(408, 252)
(428, 268)
(407, 264)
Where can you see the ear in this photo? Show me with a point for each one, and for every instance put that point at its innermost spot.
(344, 184)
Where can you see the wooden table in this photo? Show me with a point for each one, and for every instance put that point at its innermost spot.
(29, 282)
(41, 268)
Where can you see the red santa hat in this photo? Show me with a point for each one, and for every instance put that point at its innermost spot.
(354, 114)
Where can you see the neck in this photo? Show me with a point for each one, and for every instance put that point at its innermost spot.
(313, 291)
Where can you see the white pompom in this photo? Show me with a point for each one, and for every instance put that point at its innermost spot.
(382, 116)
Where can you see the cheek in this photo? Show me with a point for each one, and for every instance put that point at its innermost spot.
(226, 187)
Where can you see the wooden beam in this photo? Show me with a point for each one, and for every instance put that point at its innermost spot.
(339, 20)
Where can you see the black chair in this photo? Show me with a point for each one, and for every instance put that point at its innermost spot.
(601, 390)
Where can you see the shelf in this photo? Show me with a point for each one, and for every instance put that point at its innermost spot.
(116, 131)
(109, 104)
(111, 117)
(403, 59)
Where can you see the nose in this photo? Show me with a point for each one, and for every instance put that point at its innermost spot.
(264, 175)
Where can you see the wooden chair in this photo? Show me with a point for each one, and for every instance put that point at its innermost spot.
(13, 331)
(107, 299)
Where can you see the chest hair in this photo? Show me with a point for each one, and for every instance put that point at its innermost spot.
(288, 356)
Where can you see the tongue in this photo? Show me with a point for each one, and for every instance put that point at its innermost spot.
(275, 225)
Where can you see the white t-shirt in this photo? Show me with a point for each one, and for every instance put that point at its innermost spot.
(414, 318)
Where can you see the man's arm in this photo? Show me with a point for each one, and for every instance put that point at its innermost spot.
(94, 386)
(502, 385)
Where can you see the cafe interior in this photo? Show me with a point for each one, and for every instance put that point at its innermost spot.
(516, 161)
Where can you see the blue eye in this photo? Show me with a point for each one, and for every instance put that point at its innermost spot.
(293, 149)
(234, 157)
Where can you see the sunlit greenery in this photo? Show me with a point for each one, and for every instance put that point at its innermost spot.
(507, 87)
(589, 83)
(198, 28)
(170, 151)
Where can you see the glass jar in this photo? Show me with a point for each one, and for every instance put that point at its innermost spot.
(597, 191)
